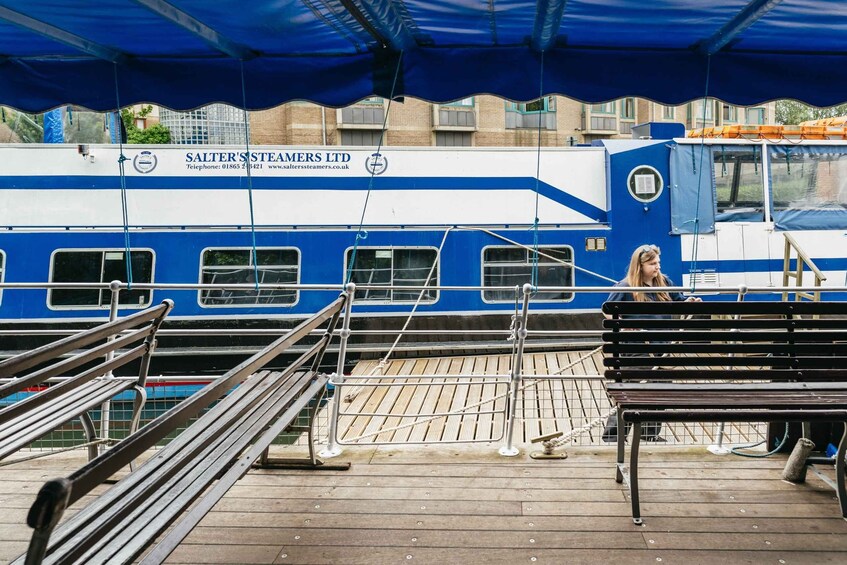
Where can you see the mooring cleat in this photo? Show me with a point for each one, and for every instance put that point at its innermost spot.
(547, 441)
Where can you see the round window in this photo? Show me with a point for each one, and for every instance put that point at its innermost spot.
(645, 184)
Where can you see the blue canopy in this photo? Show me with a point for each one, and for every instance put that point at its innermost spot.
(187, 53)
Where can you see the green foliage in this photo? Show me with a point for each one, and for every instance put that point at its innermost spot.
(791, 112)
(155, 134)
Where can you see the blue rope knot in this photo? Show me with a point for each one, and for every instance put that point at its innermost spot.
(122, 158)
(362, 234)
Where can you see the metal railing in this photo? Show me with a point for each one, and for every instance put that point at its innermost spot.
(802, 260)
(506, 412)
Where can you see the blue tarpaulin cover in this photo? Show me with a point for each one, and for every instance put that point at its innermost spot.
(187, 53)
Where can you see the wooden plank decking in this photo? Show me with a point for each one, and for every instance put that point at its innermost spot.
(468, 505)
(575, 398)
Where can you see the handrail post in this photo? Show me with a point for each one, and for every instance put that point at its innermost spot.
(333, 449)
(115, 287)
(508, 449)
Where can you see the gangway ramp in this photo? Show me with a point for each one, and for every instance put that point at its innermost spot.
(463, 399)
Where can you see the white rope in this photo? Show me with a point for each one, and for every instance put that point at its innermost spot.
(463, 409)
(380, 368)
(598, 422)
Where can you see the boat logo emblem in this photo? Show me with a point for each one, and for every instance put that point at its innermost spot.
(376, 163)
(144, 162)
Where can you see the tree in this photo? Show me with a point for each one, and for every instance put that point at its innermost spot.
(155, 134)
(792, 112)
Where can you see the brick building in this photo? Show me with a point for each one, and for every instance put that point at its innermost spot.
(484, 121)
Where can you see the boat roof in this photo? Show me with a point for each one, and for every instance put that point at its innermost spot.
(186, 53)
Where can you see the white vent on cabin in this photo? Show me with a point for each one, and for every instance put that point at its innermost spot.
(710, 278)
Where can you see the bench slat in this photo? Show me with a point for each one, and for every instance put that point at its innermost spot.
(15, 365)
(723, 348)
(810, 363)
(181, 530)
(727, 308)
(130, 490)
(763, 415)
(758, 374)
(769, 323)
(808, 336)
(164, 506)
(133, 517)
(27, 428)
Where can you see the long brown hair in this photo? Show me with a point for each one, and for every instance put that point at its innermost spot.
(635, 276)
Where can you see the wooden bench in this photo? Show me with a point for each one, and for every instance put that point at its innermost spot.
(205, 459)
(110, 346)
(725, 361)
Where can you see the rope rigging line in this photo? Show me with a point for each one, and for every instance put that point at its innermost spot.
(361, 233)
(534, 276)
(249, 178)
(540, 253)
(350, 396)
(696, 239)
(463, 409)
(121, 160)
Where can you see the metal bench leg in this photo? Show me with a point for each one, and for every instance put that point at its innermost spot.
(90, 434)
(839, 472)
(633, 472)
(621, 446)
(137, 406)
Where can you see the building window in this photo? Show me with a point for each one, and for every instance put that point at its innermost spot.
(756, 116)
(512, 266)
(607, 108)
(546, 104)
(628, 109)
(235, 266)
(626, 127)
(216, 124)
(729, 114)
(361, 137)
(668, 112)
(455, 116)
(453, 138)
(699, 107)
(465, 102)
(539, 113)
(604, 123)
(99, 266)
(394, 267)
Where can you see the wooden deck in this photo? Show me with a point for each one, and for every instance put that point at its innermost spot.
(459, 504)
(575, 397)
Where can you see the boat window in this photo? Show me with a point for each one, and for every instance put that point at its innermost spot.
(2, 271)
(235, 266)
(739, 183)
(512, 266)
(394, 267)
(99, 266)
(804, 179)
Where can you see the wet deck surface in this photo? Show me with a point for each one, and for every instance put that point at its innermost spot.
(451, 504)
